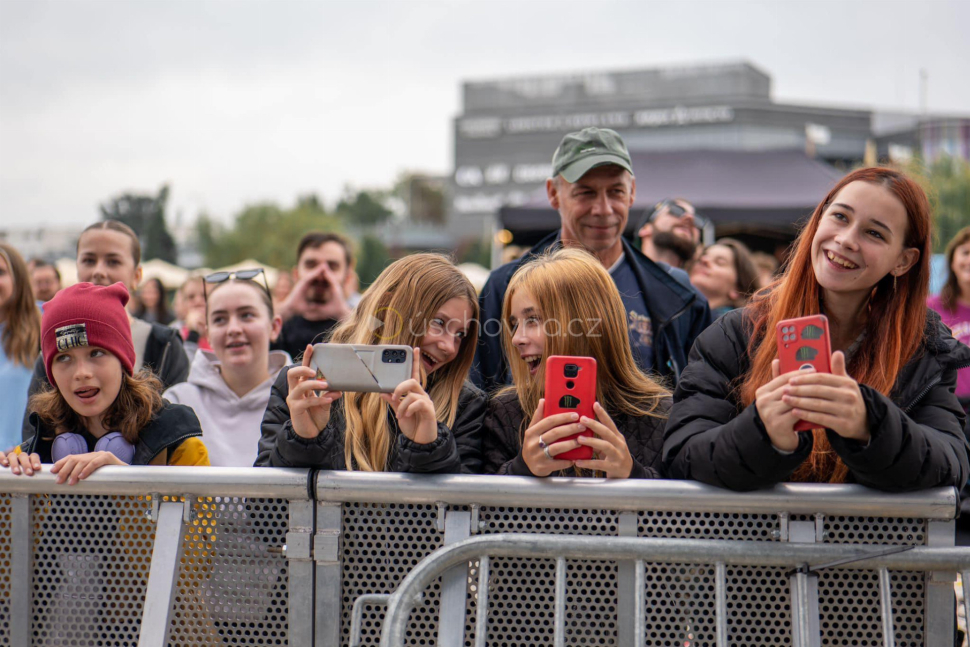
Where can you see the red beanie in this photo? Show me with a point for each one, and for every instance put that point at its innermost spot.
(88, 315)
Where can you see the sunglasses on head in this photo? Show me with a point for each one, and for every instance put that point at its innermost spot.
(239, 275)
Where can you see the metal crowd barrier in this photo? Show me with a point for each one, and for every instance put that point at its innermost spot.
(219, 556)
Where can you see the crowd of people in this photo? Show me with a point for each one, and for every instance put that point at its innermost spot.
(688, 378)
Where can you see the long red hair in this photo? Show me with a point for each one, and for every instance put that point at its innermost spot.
(896, 317)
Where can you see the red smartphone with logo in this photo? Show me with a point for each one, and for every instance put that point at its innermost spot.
(804, 342)
(571, 387)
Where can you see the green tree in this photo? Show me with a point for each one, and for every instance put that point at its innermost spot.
(479, 251)
(424, 196)
(363, 208)
(264, 232)
(372, 258)
(145, 214)
(946, 181)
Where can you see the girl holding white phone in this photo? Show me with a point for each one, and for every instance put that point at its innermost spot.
(431, 423)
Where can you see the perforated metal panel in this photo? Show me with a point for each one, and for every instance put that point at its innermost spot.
(5, 511)
(381, 544)
(91, 562)
(854, 595)
(522, 591)
(233, 584)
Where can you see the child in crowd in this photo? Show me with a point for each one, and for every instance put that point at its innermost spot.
(566, 303)
(19, 343)
(229, 386)
(190, 310)
(431, 423)
(886, 416)
(108, 252)
(99, 411)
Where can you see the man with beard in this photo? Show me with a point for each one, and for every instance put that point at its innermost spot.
(671, 233)
(592, 187)
(317, 301)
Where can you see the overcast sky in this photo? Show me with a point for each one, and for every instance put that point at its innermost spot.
(237, 102)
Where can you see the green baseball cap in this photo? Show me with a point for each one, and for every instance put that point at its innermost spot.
(591, 147)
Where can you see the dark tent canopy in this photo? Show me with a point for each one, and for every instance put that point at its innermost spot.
(743, 192)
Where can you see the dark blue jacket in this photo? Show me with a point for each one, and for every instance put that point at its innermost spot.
(677, 311)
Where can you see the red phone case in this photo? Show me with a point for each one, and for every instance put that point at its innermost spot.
(804, 342)
(567, 394)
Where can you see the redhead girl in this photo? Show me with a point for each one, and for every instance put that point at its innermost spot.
(98, 411)
(886, 416)
(431, 423)
(228, 387)
(566, 303)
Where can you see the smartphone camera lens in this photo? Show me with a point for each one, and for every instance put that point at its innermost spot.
(570, 384)
(570, 370)
(393, 356)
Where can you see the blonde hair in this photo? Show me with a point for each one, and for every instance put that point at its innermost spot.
(405, 298)
(572, 288)
(21, 334)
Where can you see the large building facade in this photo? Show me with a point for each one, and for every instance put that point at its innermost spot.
(508, 130)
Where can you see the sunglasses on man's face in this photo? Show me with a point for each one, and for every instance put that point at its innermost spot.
(240, 275)
(677, 211)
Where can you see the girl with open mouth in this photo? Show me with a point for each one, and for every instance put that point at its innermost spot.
(566, 303)
(432, 423)
(98, 411)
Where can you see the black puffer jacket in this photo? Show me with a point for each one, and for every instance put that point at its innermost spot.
(503, 449)
(917, 438)
(454, 451)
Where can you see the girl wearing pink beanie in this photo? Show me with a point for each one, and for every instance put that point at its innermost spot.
(97, 412)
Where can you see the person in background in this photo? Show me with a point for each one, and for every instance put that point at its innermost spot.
(19, 343)
(726, 275)
(953, 302)
(45, 279)
(671, 233)
(317, 302)
(152, 303)
(767, 266)
(886, 416)
(282, 287)
(229, 386)
(190, 312)
(565, 303)
(108, 252)
(432, 423)
(97, 411)
(593, 188)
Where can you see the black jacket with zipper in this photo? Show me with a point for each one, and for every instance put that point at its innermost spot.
(164, 356)
(503, 446)
(456, 450)
(172, 425)
(917, 438)
(678, 314)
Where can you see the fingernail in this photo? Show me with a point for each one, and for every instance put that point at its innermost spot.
(575, 416)
(582, 427)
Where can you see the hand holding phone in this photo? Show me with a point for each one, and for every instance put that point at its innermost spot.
(412, 406)
(804, 343)
(308, 399)
(571, 388)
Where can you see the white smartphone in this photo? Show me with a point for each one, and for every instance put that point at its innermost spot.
(361, 368)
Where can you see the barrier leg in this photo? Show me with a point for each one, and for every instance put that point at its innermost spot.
(720, 600)
(481, 609)
(326, 554)
(626, 586)
(164, 572)
(559, 639)
(939, 595)
(21, 569)
(886, 608)
(806, 631)
(301, 575)
(454, 583)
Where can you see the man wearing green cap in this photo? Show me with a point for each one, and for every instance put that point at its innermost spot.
(592, 186)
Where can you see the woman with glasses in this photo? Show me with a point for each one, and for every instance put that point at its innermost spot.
(229, 386)
(432, 423)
